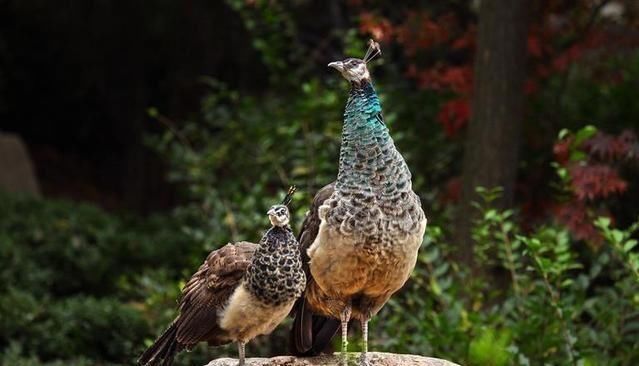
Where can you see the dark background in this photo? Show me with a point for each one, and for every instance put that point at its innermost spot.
(78, 77)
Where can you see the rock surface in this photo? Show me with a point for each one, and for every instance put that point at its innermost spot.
(16, 170)
(374, 358)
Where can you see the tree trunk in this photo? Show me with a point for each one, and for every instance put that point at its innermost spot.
(493, 136)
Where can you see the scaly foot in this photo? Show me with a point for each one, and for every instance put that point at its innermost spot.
(240, 351)
(345, 316)
(363, 360)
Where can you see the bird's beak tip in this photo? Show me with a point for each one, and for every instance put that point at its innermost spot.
(336, 65)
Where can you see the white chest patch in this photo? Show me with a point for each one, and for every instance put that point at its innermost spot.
(246, 317)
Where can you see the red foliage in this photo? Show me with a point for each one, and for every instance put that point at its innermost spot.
(590, 182)
(578, 219)
(562, 151)
(420, 31)
(593, 40)
(438, 49)
(534, 45)
(610, 147)
(592, 177)
(457, 79)
(466, 40)
(531, 86)
(452, 191)
(454, 115)
(378, 27)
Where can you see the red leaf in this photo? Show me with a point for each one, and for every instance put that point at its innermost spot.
(466, 41)
(576, 218)
(454, 115)
(452, 191)
(611, 147)
(455, 78)
(595, 181)
(534, 46)
(561, 149)
(378, 27)
(531, 86)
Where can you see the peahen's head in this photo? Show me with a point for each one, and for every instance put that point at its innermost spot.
(279, 215)
(354, 69)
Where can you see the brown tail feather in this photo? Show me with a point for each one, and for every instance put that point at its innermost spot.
(163, 350)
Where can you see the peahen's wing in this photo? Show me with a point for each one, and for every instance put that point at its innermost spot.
(310, 226)
(311, 333)
(208, 290)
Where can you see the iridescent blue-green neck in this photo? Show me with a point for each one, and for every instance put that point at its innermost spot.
(367, 149)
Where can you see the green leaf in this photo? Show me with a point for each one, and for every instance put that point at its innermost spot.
(602, 222)
(627, 247)
(577, 155)
(563, 133)
(617, 236)
(584, 134)
(153, 112)
(567, 282)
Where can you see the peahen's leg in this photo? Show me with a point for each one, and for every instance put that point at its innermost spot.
(364, 336)
(240, 351)
(364, 357)
(345, 316)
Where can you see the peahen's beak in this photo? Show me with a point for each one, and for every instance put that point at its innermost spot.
(337, 65)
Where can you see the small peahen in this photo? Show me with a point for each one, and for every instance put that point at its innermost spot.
(363, 232)
(241, 291)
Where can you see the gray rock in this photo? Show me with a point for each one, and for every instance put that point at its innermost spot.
(16, 170)
(374, 358)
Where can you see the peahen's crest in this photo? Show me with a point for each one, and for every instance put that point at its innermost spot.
(355, 69)
(279, 215)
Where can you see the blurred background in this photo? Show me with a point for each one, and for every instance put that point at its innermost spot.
(137, 137)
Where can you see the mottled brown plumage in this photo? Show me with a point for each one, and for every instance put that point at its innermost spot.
(241, 291)
(364, 237)
(203, 297)
(311, 332)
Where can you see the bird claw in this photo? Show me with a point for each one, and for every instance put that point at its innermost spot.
(363, 360)
(352, 359)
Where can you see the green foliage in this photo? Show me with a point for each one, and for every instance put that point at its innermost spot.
(13, 356)
(71, 276)
(96, 328)
(274, 34)
(541, 298)
(62, 248)
(595, 90)
(490, 348)
(622, 243)
(562, 301)
(281, 142)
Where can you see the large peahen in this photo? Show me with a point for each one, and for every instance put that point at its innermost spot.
(242, 290)
(363, 232)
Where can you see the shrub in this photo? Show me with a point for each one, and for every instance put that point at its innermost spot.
(564, 302)
(72, 276)
(63, 248)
